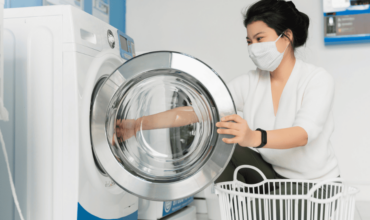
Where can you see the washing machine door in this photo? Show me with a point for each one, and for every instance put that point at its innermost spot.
(153, 125)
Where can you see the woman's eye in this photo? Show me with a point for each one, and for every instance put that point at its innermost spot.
(259, 38)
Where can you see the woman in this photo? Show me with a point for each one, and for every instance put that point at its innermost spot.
(290, 99)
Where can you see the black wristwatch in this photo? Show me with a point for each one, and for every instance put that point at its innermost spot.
(263, 138)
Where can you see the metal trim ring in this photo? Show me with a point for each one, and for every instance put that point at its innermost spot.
(161, 191)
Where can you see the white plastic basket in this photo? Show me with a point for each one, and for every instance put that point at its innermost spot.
(286, 199)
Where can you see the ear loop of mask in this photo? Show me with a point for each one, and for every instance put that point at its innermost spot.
(278, 39)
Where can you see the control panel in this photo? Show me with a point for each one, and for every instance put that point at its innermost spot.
(126, 45)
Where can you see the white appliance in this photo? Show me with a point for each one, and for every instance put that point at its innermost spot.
(57, 54)
(73, 87)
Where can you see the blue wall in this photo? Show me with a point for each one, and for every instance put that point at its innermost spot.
(88, 6)
(117, 16)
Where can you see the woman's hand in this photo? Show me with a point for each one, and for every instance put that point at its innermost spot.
(125, 129)
(244, 136)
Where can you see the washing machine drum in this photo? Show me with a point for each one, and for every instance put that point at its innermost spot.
(153, 125)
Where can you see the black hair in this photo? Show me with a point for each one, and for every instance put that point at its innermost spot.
(280, 16)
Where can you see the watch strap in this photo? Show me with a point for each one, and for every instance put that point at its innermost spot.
(263, 138)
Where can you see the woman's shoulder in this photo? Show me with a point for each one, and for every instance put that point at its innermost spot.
(248, 76)
(311, 72)
(244, 81)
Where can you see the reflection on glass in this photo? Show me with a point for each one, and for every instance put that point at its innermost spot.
(182, 137)
(162, 128)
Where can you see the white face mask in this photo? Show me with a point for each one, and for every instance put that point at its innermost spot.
(266, 55)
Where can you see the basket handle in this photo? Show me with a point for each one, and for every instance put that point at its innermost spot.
(318, 185)
(248, 166)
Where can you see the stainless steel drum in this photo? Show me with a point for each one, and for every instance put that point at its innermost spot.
(164, 163)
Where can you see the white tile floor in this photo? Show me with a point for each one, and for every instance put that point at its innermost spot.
(362, 211)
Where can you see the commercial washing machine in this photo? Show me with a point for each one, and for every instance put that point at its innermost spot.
(76, 77)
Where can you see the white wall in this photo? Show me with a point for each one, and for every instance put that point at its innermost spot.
(212, 31)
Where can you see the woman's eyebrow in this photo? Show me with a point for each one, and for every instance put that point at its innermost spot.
(256, 34)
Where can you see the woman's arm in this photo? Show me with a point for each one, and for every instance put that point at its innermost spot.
(276, 139)
(176, 117)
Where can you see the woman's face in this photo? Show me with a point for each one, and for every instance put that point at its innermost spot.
(258, 32)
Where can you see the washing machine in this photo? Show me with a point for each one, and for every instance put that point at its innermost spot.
(56, 55)
(75, 78)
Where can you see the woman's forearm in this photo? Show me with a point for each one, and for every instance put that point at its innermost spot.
(176, 117)
(283, 138)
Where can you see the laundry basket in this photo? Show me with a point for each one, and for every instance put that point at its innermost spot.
(286, 199)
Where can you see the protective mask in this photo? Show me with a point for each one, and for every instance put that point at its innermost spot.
(266, 55)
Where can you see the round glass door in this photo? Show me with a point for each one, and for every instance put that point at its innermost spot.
(153, 125)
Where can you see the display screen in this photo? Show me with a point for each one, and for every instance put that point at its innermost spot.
(123, 43)
(346, 21)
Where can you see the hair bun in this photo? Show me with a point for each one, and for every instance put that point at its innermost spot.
(301, 17)
(292, 5)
